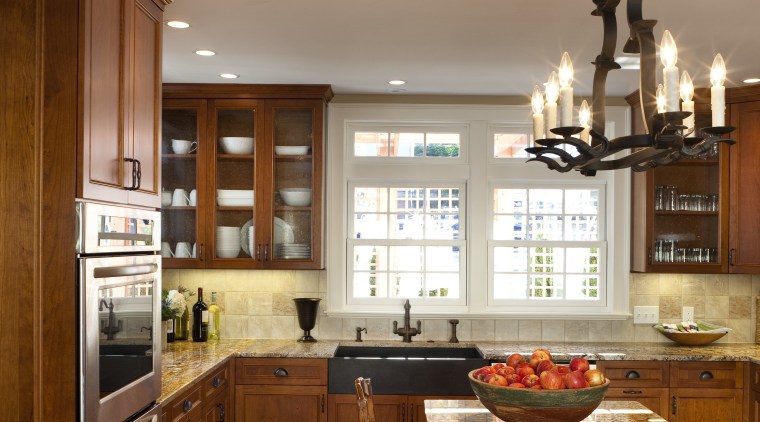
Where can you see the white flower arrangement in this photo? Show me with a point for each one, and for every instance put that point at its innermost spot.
(174, 305)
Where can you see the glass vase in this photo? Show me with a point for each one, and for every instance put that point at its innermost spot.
(182, 326)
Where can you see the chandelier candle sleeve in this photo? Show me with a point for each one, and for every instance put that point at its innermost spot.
(660, 97)
(552, 94)
(669, 57)
(718, 91)
(687, 95)
(566, 91)
(537, 101)
(584, 121)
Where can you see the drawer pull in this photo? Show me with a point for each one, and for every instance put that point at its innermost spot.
(631, 375)
(633, 392)
(706, 375)
(280, 372)
(222, 416)
(187, 405)
(216, 382)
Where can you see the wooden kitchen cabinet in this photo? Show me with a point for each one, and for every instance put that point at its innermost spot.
(731, 175)
(390, 408)
(207, 400)
(286, 124)
(680, 391)
(118, 155)
(753, 396)
(280, 390)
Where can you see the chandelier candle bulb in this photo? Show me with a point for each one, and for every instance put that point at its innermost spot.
(566, 91)
(552, 94)
(669, 57)
(584, 120)
(537, 101)
(687, 96)
(718, 91)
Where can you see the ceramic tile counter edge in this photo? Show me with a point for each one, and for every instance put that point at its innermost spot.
(185, 362)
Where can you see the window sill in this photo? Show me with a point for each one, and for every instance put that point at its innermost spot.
(479, 315)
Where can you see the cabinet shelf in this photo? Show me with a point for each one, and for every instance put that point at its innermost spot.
(685, 213)
(289, 208)
(242, 208)
(179, 208)
(235, 157)
(180, 156)
(294, 158)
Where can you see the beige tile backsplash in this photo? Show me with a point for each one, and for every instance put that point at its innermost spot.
(258, 304)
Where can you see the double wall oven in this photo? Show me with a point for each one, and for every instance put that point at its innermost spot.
(119, 281)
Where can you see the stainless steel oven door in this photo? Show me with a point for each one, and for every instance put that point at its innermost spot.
(108, 229)
(120, 357)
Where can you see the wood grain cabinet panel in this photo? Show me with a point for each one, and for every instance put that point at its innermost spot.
(188, 407)
(635, 373)
(281, 403)
(388, 408)
(707, 374)
(655, 399)
(706, 404)
(277, 371)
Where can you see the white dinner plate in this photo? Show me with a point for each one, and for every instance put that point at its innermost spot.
(283, 233)
(244, 237)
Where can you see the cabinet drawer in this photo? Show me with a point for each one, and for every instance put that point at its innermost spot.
(640, 374)
(754, 376)
(277, 371)
(187, 405)
(707, 374)
(217, 381)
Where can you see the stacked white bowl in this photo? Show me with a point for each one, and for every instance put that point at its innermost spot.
(234, 198)
(227, 241)
(296, 197)
(237, 145)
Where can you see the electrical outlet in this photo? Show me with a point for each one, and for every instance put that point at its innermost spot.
(646, 314)
(687, 314)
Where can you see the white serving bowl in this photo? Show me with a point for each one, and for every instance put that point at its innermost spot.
(238, 145)
(296, 197)
(233, 193)
(235, 202)
(291, 150)
(228, 253)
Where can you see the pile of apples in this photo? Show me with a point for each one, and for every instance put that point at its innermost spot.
(540, 373)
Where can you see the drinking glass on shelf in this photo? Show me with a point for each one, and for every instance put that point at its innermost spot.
(671, 196)
(659, 197)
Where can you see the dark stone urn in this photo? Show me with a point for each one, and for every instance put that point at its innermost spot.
(307, 317)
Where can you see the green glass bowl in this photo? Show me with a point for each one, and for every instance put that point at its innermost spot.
(526, 405)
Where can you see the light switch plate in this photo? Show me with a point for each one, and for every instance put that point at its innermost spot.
(687, 314)
(646, 314)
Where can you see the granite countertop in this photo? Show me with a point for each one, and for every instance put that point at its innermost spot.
(184, 362)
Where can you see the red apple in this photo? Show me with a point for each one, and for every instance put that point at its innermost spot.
(498, 365)
(506, 370)
(497, 379)
(594, 377)
(551, 380)
(538, 356)
(530, 380)
(549, 355)
(516, 385)
(575, 380)
(515, 359)
(481, 373)
(513, 378)
(544, 365)
(579, 364)
(563, 369)
(525, 370)
(536, 387)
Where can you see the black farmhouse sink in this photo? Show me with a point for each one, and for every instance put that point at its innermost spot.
(436, 371)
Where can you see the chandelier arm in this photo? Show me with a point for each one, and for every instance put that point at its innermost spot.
(552, 164)
(636, 158)
(633, 12)
(604, 63)
(565, 156)
(648, 71)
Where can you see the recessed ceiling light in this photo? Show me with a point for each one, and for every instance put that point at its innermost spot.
(229, 75)
(178, 24)
(205, 52)
(751, 80)
(397, 82)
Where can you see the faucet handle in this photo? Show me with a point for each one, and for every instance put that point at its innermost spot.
(395, 327)
(419, 327)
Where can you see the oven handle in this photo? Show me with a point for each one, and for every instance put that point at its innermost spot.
(124, 271)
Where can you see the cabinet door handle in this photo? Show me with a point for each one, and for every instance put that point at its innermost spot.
(731, 255)
(222, 416)
(675, 405)
(281, 372)
(632, 375)
(403, 413)
(323, 403)
(136, 174)
(632, 392)
(411, 412)
(216, 382)
(266, 252)
(258, 252)
(187, 405)
(200, 252)
(649, 255)
(706, 375)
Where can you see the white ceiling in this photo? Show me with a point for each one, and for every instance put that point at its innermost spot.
(454, 47)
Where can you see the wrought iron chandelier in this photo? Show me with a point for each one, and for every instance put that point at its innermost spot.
(670, 135)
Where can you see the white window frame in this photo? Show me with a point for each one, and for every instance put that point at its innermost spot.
(461, 243)
(478, 170)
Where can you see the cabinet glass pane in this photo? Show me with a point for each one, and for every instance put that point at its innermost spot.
(686, 227)
(293, 183)
(234, 184)
(179, 195)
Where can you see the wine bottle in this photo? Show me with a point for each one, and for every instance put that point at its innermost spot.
(213, 318)
(200, 318)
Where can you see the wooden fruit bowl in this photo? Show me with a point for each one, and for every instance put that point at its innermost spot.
(526, 405)
(693, 339)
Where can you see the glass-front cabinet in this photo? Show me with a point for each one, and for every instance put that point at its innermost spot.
(254, 168)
